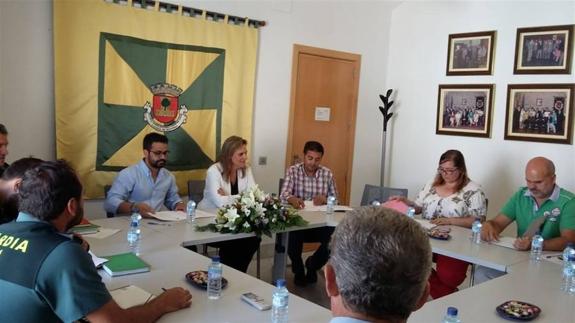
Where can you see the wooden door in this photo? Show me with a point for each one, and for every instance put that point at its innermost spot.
(324, 81)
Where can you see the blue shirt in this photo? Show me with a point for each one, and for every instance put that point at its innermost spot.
(135, 184)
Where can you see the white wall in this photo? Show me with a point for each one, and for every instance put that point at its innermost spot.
(416, 66)
(26, 78)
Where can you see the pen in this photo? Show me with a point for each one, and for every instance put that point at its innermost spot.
(156, 223)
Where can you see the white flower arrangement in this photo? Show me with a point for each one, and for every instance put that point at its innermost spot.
(254, 211)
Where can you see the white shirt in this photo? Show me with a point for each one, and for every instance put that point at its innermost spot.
(215, 180)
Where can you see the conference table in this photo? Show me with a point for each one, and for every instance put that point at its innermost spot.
(162, 245)
(169, 262)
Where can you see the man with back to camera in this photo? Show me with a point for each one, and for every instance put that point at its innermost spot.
(145, 186)
(45, 276)
(308, 181)
(542, 206)
(9, 184)
(3, 148)
(379, 266)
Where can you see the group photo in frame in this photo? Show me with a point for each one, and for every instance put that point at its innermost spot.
(471, 53)
(464, 110)
(540, 112)
(544, 50)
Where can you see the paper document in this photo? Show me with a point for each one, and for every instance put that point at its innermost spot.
(425, 224)
(169, 215)
(556, 258)
(129, 296)
(322, 208)
(104, 233)
(205, 214)
(396, 205)
(97, 260)
(506, 242)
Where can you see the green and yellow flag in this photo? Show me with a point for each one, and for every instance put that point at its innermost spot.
(122, 72)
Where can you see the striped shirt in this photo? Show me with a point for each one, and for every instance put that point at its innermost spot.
(298, 183)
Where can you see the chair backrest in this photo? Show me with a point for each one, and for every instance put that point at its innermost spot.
(196, 190)
(106, 190)
(281, 184)
(378, 193)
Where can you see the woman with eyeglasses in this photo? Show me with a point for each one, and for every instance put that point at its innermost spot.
(225, 179)
(451, 198)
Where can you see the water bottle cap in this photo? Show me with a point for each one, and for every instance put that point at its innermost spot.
(452, 311)
(280, 283)
(216, 258)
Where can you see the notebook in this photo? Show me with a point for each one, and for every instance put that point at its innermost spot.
(129, 296)
(125, 264)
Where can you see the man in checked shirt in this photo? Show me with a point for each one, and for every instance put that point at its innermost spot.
(308, 181)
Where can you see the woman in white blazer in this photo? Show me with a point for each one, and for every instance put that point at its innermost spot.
(225, 180)
(229, 176)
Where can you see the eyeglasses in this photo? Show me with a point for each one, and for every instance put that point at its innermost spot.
(160, 153)
(447, 170)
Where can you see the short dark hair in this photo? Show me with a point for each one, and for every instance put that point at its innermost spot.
(46, 189)
(19, 167)
(313, 146)
(3, 130)
(153, 137)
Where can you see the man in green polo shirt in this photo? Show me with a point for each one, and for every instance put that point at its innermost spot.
(542, 206)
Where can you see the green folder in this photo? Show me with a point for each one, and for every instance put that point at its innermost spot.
(125, 264)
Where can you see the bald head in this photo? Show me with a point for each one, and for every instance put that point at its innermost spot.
(540, 177)
(541, 165)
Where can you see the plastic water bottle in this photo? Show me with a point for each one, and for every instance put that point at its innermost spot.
(569, 276)
(451, 316)
(280, 300)
(191, 211)
(330, 204)
(568, 252)
(476, 231)
(411, 212)
(134, 233)
(536, 247)
(215, 278)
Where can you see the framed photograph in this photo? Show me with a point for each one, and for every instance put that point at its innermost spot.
(544, 50)
(540, 112)
(464, 110)
(471, 53)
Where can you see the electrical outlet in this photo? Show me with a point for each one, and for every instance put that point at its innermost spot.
(262, 160)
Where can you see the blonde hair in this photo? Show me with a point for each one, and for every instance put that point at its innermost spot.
(229, 147)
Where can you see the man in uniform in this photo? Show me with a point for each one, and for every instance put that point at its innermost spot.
(9, 183)
(3, 148)
(379, 266)
(47, 277)
(145, 186)
(308, 181)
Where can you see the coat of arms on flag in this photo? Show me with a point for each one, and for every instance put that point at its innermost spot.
(149, 86)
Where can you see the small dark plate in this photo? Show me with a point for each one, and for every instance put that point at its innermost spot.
(199, 279)
(438, 234)
(518, 311)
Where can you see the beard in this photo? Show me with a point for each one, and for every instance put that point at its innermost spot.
(159, 163)
(76, 219)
